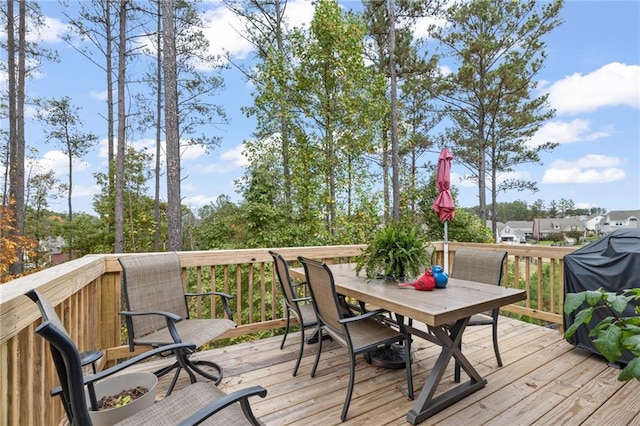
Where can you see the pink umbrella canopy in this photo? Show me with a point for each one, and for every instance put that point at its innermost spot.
(443, 204)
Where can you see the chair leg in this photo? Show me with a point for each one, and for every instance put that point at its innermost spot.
(194, 366)
(495, 340)
(295, 369)
(174, 380)
(286, 330)
(456, 370)
(407, 360)
(177, 366)
(347, 401)
(315, 364)
(184, 363)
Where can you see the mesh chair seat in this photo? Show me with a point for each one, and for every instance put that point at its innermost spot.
(180, 405)
(308, 314)
(365, 335)
(196, 331)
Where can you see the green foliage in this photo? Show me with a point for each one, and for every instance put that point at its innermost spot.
(615, 333)
(138, 215)
(341, 102)
(397, 250)
(555, 237)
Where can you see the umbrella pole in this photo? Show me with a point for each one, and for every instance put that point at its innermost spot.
(446, 247)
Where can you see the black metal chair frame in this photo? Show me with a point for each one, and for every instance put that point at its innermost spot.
(300, 307)
(372, 323)
(68, 365)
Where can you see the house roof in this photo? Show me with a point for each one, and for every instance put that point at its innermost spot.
(623, 214)
(521, 225)
(559, 224)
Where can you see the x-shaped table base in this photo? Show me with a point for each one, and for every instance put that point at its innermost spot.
(450, 340)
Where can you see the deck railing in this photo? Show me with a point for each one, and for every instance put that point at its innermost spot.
(86, 294)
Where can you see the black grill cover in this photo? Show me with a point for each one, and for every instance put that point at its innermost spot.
(613, 263)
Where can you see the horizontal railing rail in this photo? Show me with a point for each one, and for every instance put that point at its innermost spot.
(86, 294)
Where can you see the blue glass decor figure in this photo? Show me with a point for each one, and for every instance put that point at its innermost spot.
(440, 275)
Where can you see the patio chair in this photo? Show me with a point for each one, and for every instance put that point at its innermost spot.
(359, 334)
(157, 313)
(483, 266)
(300, 307)
(200, 403)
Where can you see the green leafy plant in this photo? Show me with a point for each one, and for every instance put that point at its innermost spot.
(397, 250)
(613, 334)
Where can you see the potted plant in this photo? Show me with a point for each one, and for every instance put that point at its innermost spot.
(616, 332)
(122, 396)
(397, 251)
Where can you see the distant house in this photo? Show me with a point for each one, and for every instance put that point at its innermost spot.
(524, 228)
(53, 246)
(620, 219)
(542, 228)
(512, 231)
(594, 223)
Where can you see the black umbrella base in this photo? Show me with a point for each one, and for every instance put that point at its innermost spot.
(391, 357)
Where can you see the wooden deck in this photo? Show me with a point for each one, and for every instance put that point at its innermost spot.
(544, 381)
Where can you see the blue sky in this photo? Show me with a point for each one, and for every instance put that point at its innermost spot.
(592, 75)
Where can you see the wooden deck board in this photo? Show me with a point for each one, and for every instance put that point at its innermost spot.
(544, 381)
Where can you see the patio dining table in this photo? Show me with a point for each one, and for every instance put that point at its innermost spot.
(445, 312)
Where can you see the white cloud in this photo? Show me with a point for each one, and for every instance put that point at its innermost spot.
(611, 85)
(85, 191)
(564, 132)
(59, 163)
(101, 96)
(51, 32)
(192, 152)
(591, 168)
(299, 13)
(224, 29)
(199, 200)
(230, 160)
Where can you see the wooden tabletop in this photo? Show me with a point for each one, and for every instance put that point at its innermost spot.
(460, 299)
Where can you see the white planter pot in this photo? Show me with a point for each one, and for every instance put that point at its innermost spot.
(115, 385)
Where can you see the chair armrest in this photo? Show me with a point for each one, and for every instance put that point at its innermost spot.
(224, 298)
(170, 315)
(211, 293)
(241, 396)
(364, 316)
(128, 363)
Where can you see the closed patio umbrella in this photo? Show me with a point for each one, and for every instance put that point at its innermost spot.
(443, 204)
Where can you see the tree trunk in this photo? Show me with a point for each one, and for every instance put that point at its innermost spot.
(395, 178)
(16, 76)
(118, 246)
(156, 206)
(172, 139)
(111, 159)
